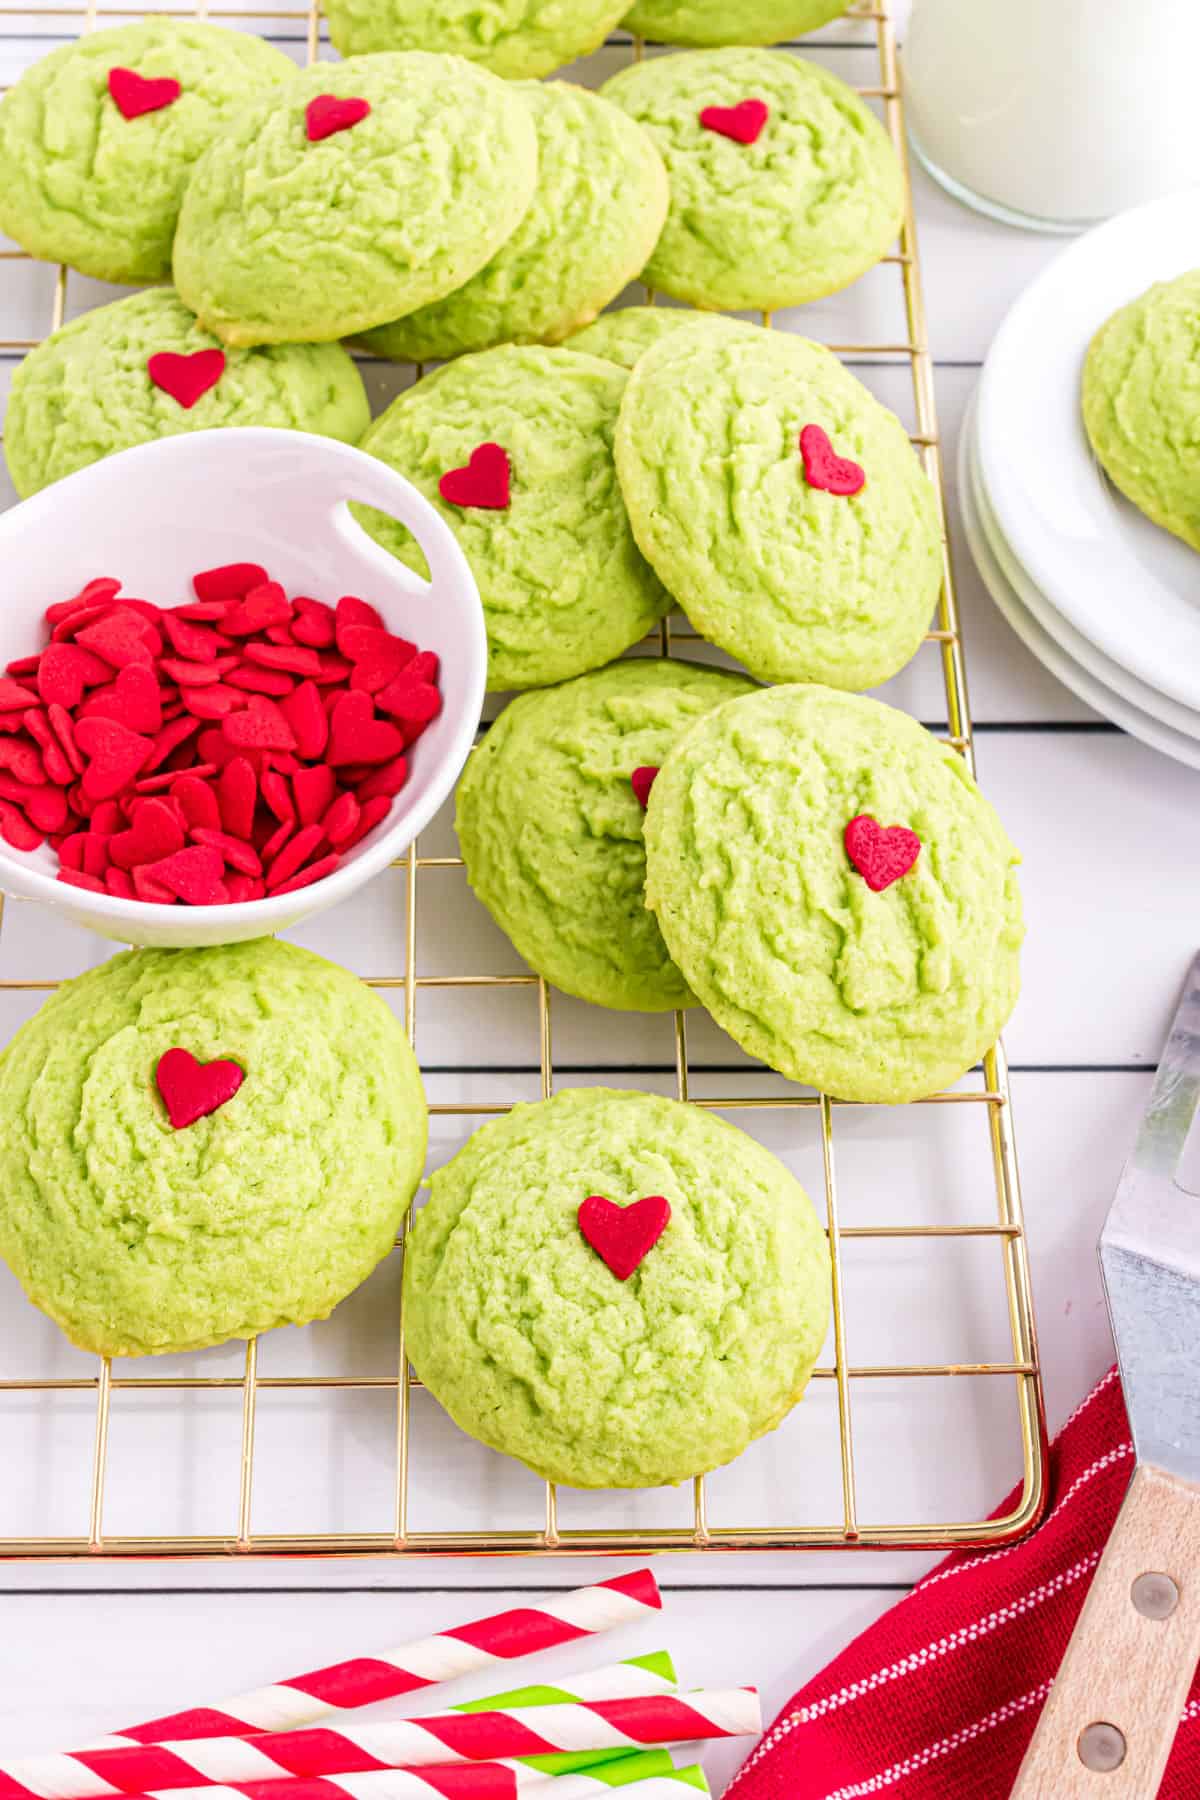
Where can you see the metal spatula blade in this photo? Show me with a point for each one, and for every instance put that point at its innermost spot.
(1109, 1723)
(1150, 1258)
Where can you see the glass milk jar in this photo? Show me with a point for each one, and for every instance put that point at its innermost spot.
(1055, 113)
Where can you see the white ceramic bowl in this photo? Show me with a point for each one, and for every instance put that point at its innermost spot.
(153, 516)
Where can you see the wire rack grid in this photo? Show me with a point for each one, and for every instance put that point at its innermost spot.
(990, 1098)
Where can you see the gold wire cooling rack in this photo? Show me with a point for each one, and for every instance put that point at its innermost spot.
(990, 1099)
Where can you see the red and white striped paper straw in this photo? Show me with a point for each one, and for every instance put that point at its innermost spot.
(407, 1744)
(461, 1781)
(454, 1781)
(299, 1699)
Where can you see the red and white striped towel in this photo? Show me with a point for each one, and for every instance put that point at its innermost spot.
(938, 1700)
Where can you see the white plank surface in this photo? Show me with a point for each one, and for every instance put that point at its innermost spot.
(1112, 866)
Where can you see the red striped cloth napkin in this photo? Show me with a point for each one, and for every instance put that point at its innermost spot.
(939, 1698)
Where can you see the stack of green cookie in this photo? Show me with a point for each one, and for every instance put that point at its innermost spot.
(693, 480)
(550, 825)
(596, 214)
(415, 198)
(812, 866)
(618, 1289)
(303, 224)
(795, 581)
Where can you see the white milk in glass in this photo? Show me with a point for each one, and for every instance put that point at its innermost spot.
(1055, 112)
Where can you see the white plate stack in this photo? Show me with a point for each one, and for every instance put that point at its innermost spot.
(1107, 601)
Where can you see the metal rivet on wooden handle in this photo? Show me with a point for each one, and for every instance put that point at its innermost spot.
(1154, 1595)
(1101, 1748)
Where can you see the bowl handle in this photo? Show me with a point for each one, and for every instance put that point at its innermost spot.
(376, 485)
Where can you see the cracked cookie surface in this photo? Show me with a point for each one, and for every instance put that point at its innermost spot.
(799, 584)
(85, 392)
(625, 335)
(595, 216)
(884, 996)
(802, 212)
(83, 185)
(533, 1346)
(137, 1238)
(698, 23)
(1141, 403)
(563, 584)
(551, 829)
(514, 38)
(285, 240)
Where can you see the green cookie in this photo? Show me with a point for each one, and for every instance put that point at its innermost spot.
(599, 206)
(515, 38)
(625, 336)
(704, 22)
(563, 585)
(551, 829)
(1141, 403)
(799, 583)
(801, 212)
(282, 239)
(138, 1238)
(82, 184)
(884, 996)
(533, 1345)
(86, 390)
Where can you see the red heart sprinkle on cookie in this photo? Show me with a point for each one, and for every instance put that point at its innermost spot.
(327, 114)
(485, 481)
(191, 1090)
(186, 378)
(881, 854)
(642, 780)
(136, 94)
(822, 469)
(624, 1235)
(744, 123)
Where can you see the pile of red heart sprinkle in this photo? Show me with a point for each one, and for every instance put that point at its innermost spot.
(229, 749)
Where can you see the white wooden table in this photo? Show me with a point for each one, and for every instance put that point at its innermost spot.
(1111, 853)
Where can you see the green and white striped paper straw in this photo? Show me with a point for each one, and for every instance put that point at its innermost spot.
(648, 1774)
(589, 1774)
(652, 1674)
